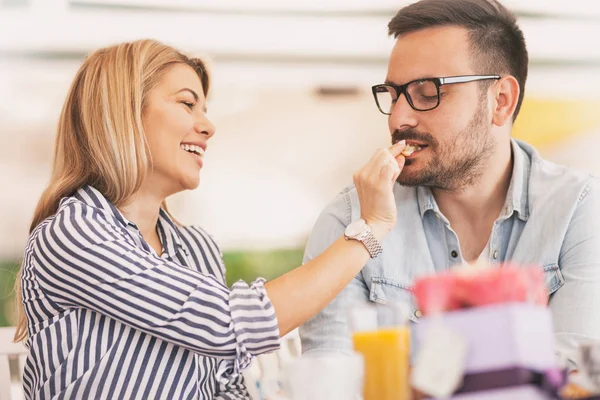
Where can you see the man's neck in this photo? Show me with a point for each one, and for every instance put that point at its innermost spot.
(483, 201)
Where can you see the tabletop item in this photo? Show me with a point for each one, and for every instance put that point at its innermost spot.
(324, 376)
(380, 333)
(585, 383)
(480, 285)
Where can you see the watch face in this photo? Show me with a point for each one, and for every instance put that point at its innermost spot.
(355, 228)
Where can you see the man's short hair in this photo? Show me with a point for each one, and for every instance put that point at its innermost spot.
(497, 42)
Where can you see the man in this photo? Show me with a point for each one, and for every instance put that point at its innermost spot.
(454, 86)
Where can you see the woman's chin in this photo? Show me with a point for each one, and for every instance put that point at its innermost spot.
(191, 183)
(183, 184)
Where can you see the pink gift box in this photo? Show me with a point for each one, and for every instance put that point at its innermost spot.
(502, 284)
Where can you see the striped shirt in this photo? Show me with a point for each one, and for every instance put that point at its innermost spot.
(108, 318)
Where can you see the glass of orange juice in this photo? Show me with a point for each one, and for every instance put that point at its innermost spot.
(381, 334)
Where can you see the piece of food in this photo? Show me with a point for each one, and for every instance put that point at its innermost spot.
(572, 391)
(409, 149)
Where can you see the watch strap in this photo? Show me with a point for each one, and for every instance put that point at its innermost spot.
(372, 244)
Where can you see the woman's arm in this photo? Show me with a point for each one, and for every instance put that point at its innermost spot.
(81, 258)
(303, 292)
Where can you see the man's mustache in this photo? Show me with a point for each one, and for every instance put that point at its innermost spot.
(412, 134)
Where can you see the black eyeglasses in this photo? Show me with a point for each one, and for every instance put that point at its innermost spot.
(421, 94)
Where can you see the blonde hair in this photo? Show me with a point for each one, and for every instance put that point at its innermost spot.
(100, 137)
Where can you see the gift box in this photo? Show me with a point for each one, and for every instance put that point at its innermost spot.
(512, 382)
(479, 285)
(525, 392)
(498, 336)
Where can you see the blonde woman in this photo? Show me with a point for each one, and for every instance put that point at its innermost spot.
(120, 302)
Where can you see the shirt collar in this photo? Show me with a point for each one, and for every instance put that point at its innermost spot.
(93, 197)
(426, 200)
(169, 228)
(517, 200)
(166, 226)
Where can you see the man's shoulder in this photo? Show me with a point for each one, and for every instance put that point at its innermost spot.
(346, 205)
(550, 178)
(557, 187)
(549, 169)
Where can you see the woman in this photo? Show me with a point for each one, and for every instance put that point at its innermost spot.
(120, 302)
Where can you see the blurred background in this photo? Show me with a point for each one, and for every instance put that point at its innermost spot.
(291, 101)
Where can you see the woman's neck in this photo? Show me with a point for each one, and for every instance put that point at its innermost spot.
(143, 209)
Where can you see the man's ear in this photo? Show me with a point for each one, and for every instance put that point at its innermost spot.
(506, 95)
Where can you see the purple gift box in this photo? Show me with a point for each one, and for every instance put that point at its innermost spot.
(525, 392)
(499, 336)
(512, 383)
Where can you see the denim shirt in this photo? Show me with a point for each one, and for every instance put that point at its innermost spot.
(551, 218)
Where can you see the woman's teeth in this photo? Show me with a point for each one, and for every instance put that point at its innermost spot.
(410, 148)
(192, 148)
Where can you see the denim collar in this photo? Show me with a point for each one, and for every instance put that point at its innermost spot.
(517, 200)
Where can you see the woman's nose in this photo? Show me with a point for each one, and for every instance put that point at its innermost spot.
(205, 126)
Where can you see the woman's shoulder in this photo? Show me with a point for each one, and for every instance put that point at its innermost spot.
(75, 216)
(80, 211)
(203, 249)
(197, 233)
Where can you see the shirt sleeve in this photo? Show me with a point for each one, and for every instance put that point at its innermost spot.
(82, 259)
(576, 305)
(233, 388)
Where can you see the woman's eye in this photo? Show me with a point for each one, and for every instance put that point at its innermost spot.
(190, 105)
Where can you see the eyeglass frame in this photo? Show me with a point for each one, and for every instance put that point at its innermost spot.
(447, 80)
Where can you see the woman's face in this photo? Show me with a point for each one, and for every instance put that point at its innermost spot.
(177, 131)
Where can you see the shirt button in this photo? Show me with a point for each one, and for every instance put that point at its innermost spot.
(454, 254)
(495, 255)
(418, 313)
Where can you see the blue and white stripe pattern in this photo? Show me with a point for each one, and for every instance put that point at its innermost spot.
(108, 318)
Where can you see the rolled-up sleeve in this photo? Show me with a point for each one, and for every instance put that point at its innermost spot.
(255, 330)
(81, 259)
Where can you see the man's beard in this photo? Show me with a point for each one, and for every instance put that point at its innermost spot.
(455, 167)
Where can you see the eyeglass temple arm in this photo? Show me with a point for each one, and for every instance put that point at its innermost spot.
(463, 79)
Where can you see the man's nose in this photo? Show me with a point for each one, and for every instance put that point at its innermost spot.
(403, 115)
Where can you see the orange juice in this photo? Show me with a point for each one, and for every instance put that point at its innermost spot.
(386, 355)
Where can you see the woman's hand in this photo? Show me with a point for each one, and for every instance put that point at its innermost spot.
(374, 183)
(304, 291)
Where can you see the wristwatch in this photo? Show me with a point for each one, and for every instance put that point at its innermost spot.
(361, 231)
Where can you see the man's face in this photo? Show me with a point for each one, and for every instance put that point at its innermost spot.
(456, 136)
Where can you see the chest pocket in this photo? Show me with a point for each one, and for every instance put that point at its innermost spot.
(390, 291)
(553, 278)
(386, 290)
